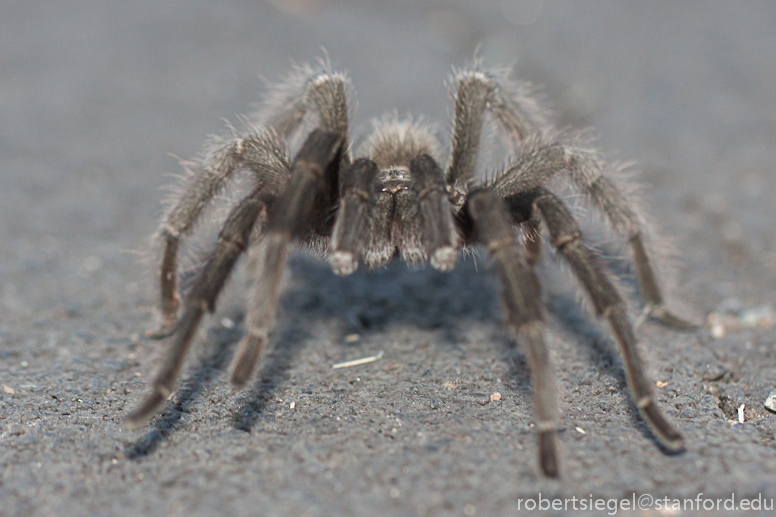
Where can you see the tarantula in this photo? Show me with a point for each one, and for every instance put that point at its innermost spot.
(396, 199)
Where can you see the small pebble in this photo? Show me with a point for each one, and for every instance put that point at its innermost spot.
(495, 396)
(292, 405)
(580, 430)
(770, 402)
(717, 329)
(8, 389)
(661, 384)
(16, 429)
(352, 338)
(227, 323)
(729, 319)
(741, 413)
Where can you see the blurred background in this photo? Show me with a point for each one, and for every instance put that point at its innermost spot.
(95, 97)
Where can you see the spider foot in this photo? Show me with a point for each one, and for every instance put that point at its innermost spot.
(668, 318)
(548, 454)
(166, 329)
(660, 427)
(343, 262)
(245, 359)
(444, 258)
(146, 410)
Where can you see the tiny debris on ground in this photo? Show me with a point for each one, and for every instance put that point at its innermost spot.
(495, 396)
(730, 316)
(8, 389)
(770, 402)
(358, 362)
(741, 413)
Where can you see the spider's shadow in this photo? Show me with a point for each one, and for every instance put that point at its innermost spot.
(186, 393)
(288, 343)
(565, 310)
(369, 303)
(366, 302)
(422, 298)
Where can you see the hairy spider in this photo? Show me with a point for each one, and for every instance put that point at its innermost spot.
(396, 199)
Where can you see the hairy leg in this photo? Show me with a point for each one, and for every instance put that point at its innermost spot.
(232, 242)
(304, 90)
(290, 220)
(493, 228)
(476, 92)
(308, 90)
(566, 237)
(351, 228)
(439, 234)
(261, 152)
(540, 161)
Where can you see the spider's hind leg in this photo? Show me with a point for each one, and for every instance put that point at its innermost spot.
(232, 242)
(541, 160)
(477, 92)
(605, 195)
(259, 151)
(308, 90)
(566, 237)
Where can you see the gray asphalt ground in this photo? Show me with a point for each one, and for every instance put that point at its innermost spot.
(93, 97)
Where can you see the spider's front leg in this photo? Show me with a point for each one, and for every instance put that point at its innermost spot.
(314, 171)
(307, 90)
(492, 227)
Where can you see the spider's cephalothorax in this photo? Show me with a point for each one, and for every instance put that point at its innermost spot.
(401, 197)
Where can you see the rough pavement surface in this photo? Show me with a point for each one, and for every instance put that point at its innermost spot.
(93, 97)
